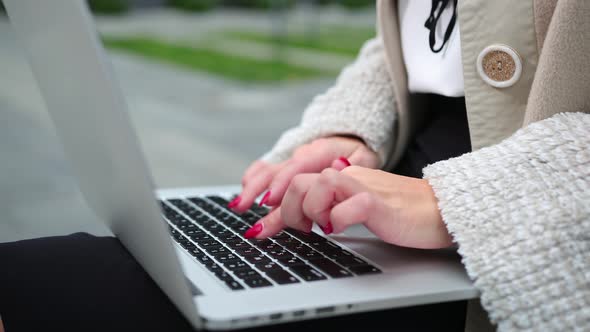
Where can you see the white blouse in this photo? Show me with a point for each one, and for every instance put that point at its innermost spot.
(430, 72)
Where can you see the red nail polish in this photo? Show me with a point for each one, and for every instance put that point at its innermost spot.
(253, 231)
(345, 161)
(264, 198)
(328, 229)
(234, 202)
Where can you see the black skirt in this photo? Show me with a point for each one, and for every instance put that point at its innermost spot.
(443, 133)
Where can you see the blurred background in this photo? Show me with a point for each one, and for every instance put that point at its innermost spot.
(210, 85)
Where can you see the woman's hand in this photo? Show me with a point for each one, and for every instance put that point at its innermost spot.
(337, 152)
(399, 210)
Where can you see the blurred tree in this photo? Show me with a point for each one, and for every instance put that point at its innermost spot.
(257, 3)
(353, 4)
(312, 18)
(2, 9)
(193, 5)
(109, 6)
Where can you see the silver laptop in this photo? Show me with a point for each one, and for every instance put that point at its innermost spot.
(186, 239)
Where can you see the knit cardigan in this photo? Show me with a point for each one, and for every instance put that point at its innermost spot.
(518, 210)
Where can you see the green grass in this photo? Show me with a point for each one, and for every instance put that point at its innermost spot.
(334, 39)
(199, 59)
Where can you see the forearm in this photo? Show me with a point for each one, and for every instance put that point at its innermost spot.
(360, 104)
(520, 214)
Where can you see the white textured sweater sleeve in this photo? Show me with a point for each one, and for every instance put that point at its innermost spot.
(520, 213)
(361, 103)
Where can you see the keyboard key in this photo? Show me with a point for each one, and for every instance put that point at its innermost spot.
(330, 268)
(199, 202)
(250, 218)
(215, 268)
(218, 200)
(261, 243)
(181, 239)
(279, 253)
(193, 232)
(227, 257)
(205, 260)
(260, 210)
(281, 235)
(364, 269)
(338, 253)
(282, 277)
(349, 261)
(200, 236)
(196, 252)
(291, 261)
(224, 276)
(307, 273)
(268, 267)
(208, 243)
(326, 246)
(238, 227)
(232, 239)
(238, 244)
(187, 245)
(307, 237)
(226, 217)
(192, 226)
(214, 227)
(176, 234)
(247, 251)
(298, 247)
(236, 265)
(269, 246)
(287, 241)
(257, 282)
(221, 232)
(246, 273)
(217, 251)
(312, 254)
(233, 284)
(257, 259)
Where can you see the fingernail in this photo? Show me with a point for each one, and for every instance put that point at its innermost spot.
(254, 230)
(234, 202)
(328, 229)
(345, 161)
(264, 198)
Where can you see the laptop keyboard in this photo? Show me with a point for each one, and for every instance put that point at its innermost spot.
(212, 234)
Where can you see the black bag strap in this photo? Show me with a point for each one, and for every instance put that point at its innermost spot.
(438, 6)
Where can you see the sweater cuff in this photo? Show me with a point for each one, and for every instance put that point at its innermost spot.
(360, 104)
(520, 214)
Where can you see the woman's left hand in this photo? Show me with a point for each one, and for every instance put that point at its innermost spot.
(399, 210)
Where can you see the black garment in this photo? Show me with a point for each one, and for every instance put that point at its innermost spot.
(443, 133)
(86, 283)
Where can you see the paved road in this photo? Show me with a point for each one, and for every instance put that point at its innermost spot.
(195, 130)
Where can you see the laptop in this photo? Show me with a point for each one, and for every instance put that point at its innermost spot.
(187, 239)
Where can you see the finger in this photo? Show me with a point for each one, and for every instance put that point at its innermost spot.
(254, 168)
(340, 163)
(330, 188)
(280, 183)
(291, 206)
(253, 188)
(266, 227)
(363, 156)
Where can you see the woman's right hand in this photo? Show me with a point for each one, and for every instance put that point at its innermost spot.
(337, 152)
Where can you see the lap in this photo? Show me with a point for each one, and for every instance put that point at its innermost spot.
(84, 283)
